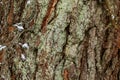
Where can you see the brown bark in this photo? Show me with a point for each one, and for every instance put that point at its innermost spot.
(81, 40)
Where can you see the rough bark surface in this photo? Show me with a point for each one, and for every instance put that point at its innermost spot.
(66, 40)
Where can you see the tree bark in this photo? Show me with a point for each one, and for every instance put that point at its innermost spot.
(59, 40)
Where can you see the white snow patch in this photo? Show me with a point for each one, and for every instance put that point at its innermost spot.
(113, 17)
(2, 76)
(2, 47)
(20, 43)
(23, 57)
(28, 1)
(19, 26)
(25, 45)
(1, 2)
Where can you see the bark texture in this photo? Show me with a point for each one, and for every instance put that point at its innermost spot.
(59, 40)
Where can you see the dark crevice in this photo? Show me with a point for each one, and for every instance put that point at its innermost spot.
(1, 14)
(87, 32)
(84, 59)
(36, 64)
(85, 2)
(52, 18)
(22, 7)
(67, 34)
(119, 54)
(36, 69)
(97, 76)
(105, 43)
(25, 34)
(67, 29)
(107, 32)
(102, 53)
(108, 65)
(12, 74)
(118, 75)
(100, 2)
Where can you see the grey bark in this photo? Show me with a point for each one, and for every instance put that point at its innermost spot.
(68, 40)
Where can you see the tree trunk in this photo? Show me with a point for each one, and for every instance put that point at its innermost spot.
(59, 40)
